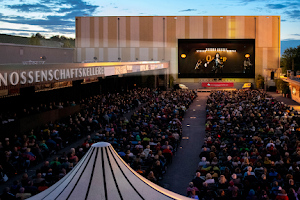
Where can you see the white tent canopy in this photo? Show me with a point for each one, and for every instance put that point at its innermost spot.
(102, 174)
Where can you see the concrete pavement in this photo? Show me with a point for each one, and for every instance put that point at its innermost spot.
(287, 101)
(185, 161)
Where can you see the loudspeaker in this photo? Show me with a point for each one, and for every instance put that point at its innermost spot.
(272, 75)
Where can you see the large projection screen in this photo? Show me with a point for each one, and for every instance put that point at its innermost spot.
(198, 58)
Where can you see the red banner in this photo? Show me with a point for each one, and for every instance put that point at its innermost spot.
(217, 84)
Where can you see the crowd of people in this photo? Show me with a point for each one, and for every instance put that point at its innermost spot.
(12, 115)
(147, 141)
(20, 152)
(150, 138)
(251, 149)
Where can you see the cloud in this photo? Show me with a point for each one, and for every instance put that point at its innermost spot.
(71, 9)
(62, 29)
(258, 9)
(29, 8)
(245, 2)
(49, 20)
(22, 30)
(283, 20)
(60, 15)
(296, 34)
(188, 10)
(77, 8)
(276, 6)
(294, 14)
(19, 34)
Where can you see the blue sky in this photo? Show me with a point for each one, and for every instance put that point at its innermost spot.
(57, 17)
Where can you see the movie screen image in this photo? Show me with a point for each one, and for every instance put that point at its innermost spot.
(216, 58)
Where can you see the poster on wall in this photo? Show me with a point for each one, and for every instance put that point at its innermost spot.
(216, 58)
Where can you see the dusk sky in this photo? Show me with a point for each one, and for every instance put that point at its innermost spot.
(57, 17)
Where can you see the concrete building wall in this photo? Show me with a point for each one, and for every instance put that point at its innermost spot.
(14, 53)
(156, 38)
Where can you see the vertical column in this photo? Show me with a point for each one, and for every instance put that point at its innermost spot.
(96, 31)
(209, 27)
(134, 32)
(105, 31)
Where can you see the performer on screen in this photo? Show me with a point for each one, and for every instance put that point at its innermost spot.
(198, 64)
(218, 64)
(247, 65)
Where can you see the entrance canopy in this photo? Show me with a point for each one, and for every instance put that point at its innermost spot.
(102, 174)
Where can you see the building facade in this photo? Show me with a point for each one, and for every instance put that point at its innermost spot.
(146, 38)
(18, 53)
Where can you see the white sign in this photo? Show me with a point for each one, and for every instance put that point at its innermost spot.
(33, 62)
(216, 49)
(37, 76)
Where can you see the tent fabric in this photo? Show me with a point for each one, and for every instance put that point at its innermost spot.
(102, 174)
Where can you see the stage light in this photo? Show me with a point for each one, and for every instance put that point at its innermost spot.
(183, 56)
(247, 55)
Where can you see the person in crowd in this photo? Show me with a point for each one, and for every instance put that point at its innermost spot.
(22, 194)
(189, 190)
(251, 195)
(292, 195)
(7, 195)
(198, 181)
(151, 177)
(282, 195)
(193, 194)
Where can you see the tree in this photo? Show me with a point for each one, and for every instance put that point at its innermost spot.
(67, 44)
(38, 35)
(63, 38)
(34, 40)
(287, 58)
(55, 38)
(260, 82)
(282, 86)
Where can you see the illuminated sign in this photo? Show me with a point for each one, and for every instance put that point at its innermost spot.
(217, 84)
(209, 58)
(37, 76)
(216, 49)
